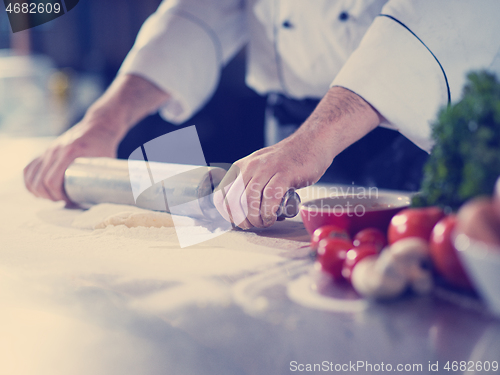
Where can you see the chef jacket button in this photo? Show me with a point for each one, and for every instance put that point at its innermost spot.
(344, 16)
(287, 24)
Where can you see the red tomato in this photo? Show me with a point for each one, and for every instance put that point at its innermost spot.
(331, 255)
(327, 231)
(353, 256)
(444, 255)
(414, 222)
(370, 236)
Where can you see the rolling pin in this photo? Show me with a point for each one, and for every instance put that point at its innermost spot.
(153, 186)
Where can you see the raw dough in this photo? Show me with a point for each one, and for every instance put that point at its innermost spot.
(106, 214)
(138, 219)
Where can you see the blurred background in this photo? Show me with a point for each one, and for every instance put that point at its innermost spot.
(51, 73)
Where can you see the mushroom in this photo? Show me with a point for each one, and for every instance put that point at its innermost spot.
(398, 267)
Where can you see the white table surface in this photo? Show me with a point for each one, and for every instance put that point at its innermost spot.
(130, 301)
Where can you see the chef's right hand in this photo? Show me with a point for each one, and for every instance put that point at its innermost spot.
(92, 137)
(250, 193)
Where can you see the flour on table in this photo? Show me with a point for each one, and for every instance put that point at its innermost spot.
(103, 215)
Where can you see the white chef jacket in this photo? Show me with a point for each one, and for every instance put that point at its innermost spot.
(407, 58)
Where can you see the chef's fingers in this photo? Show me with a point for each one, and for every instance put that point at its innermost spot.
(54, 177)
(35, 185)
(235, 201)
(229, 207)
(230, 198)
(29, 174)
(219, 197)
(220, 192)
(253, 195)
(272, 196)
(43, 190)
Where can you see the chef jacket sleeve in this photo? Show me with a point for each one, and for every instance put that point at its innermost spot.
(415, 56)
(181, 49)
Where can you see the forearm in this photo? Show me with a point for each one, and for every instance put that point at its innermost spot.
(128, 100)
(340, 119)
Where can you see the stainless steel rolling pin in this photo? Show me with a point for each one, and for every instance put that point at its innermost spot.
(188, 189)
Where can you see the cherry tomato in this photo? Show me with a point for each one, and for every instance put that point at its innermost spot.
(331, 255)
(370, 236)
(414, 222)
(444, 255)
(327, 231)
(353, 256)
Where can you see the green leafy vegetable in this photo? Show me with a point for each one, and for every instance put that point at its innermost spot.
(465, 160)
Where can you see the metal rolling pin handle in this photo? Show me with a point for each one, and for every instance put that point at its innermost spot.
(289, 206)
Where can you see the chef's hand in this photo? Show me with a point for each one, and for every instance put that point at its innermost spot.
(252, 190)
(44, 175)
(255, 185)
(127, 101)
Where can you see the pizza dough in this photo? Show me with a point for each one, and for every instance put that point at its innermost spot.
(103, 215)
(138, 219)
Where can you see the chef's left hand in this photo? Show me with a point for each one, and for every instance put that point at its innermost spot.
(255, 185)
(252, 190)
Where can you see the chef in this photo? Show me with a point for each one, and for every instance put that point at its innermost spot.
(372, 63)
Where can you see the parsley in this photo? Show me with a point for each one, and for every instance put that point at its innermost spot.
(465, 160)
